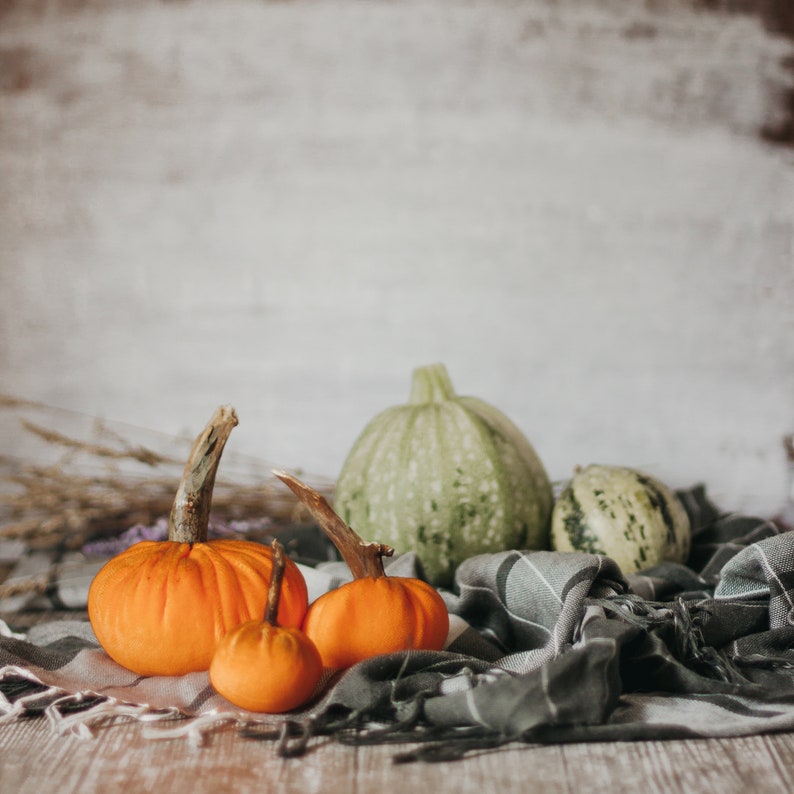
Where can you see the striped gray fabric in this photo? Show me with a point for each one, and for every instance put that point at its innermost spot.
(543, 647)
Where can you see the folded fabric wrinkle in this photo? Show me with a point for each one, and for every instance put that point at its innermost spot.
(543, 647)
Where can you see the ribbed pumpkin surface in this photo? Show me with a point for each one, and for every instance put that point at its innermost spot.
(369, 617)
(445, 476)
(160, 608)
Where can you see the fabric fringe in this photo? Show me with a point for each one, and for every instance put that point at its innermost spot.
(687, 644)
(21, 693)
(79, 714)
(195, 729)
(431, 743)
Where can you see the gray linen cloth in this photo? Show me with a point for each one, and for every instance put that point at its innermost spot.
(543, 647)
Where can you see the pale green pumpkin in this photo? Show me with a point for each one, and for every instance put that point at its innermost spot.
(621, 513)
(445, 476)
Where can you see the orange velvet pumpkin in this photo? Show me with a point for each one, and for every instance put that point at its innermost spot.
(160, 608)
(374, 614)
(261, 666)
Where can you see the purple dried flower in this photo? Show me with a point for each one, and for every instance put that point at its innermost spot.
(109, 547)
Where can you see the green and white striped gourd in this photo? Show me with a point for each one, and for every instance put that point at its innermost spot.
(621, 513)
(445, 476)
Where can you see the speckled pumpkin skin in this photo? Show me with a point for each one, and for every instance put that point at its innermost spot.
(447, 477)
(621, 513)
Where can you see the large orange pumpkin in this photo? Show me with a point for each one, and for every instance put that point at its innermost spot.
(374, 614)
(161, 607)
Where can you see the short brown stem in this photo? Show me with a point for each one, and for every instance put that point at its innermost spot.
(363, 559)
(274, 591)
(190, 514)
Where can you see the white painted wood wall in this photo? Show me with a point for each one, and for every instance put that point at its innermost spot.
(288, 206)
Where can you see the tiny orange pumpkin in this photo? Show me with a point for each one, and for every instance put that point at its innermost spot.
(261, 666)
(161, 607)
(375, 613)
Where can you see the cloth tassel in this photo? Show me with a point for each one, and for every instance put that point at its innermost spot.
(79, 714)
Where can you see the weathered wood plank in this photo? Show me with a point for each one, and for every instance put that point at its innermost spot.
(34, 761)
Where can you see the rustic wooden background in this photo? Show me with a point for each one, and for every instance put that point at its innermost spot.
(584, 207)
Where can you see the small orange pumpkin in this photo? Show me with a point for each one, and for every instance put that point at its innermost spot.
(261, 666)
(161, 607)
(374, 614)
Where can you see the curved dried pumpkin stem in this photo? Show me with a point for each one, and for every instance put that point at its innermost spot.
(190, 514)
(274, 591)
(363, 559)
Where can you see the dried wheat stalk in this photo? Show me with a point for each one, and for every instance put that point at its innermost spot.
(100, 488)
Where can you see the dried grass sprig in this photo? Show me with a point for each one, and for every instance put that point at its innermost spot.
(142, 454)
(100, 483)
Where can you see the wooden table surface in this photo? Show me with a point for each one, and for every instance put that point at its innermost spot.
(120, 758)
(123, 756)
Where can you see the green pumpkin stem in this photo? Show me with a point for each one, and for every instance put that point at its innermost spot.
(431, 384)
(363, 559)
(274, 591)
(190, 513)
